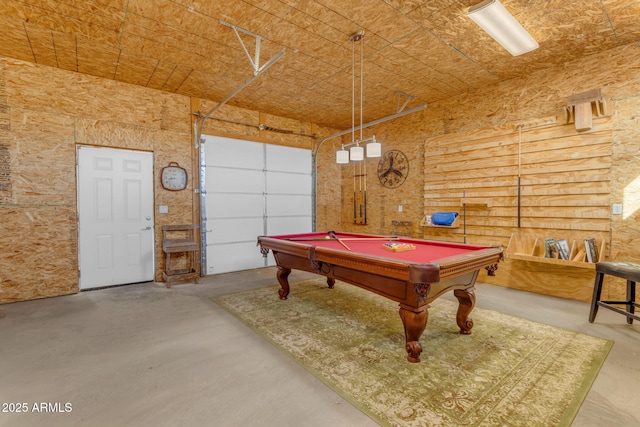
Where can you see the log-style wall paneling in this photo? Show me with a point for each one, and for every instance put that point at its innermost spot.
(564, 180)
(564, 192)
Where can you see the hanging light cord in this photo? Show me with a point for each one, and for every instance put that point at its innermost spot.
(353, 90)
(519, 173)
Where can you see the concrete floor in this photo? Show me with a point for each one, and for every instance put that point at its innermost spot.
(144, 355)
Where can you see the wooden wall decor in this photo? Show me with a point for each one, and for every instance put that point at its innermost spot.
(584, 106)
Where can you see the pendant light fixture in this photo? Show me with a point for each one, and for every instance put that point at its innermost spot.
(373, 148)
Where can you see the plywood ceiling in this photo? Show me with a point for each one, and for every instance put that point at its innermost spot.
(426, 49)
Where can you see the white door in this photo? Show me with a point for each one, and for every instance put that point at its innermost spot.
(115, 207)
(251, 189)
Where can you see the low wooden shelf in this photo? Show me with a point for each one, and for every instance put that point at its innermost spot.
(180, 240)
(529, 247)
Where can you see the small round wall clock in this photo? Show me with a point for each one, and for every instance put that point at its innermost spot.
(393, 169)
(173, 177)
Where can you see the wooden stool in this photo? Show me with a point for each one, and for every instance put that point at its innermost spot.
(626, 270)
(177, 239)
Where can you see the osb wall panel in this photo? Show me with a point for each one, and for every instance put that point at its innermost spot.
(239, 123)
(42, 154)
(51, 112)
(233, 124)
(48, 89)
(173, 147)
(37, 230)
(284, 131)
(39, 256)
(383, 204)
(625, 184)
(328, 186)
(6, 142)
(114, 134)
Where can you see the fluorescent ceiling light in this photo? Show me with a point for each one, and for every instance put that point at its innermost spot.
(492, 17)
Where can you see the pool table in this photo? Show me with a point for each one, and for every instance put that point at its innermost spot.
(413, 278)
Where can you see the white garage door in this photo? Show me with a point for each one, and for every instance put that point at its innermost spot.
(251, 189)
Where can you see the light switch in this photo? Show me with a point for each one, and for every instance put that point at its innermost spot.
(399, 208)
(163, 209)
(617, 208)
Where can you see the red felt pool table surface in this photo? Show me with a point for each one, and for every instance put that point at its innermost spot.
(426, 250)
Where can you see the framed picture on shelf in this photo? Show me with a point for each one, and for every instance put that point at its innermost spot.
(550, 248)
(563, 248)
(591, 248)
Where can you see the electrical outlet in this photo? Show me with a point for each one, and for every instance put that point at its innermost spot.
(399, 208)
(163, 209)
(617, 208)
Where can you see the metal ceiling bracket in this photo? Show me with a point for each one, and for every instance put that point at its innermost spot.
(255, 62)
(400, 108)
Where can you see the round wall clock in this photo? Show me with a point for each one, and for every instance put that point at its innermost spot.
(393, 169)
(173, 177)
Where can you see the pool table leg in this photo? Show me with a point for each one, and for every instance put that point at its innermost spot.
(467, 300)
(282, 274)
(331, 282)
(414, 324)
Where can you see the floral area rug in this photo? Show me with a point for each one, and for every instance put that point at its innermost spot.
(508, 372)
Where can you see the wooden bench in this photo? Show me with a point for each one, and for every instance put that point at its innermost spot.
(626, 270)
(176, 240)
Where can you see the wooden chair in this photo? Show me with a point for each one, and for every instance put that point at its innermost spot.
(180, 240)
(626, 270)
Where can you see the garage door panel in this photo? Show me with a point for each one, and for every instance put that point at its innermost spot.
(221, 231)
(281, 158)
(278, 205)
(288, 225)
(227, 180)
(226, 150)
(235, 205)
(233, 257)
(288, 183)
